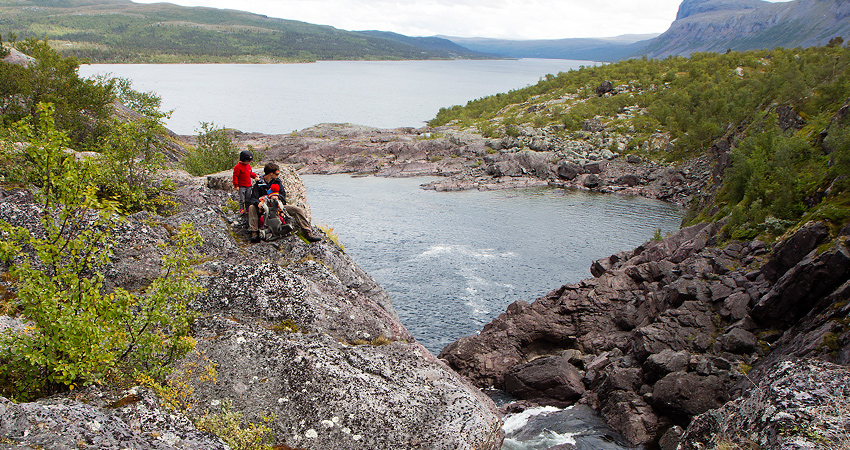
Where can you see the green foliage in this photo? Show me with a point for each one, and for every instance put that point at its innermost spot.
(4, 51)
(131, 154)
(80, 333)
(231, 427)
(43, 161)
(777, 177)
(215, 152)
(144, 103)
(80, 103)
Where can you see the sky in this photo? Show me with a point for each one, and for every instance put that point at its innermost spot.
(500, 19)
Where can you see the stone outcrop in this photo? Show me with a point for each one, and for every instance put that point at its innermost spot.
(465, 160)
(130, 419)
(294, 330)
(798, 404)
(672, 329)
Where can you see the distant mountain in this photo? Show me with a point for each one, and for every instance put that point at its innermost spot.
(592, 49)
(718, 25)
(700, 26)
(433, 43)
(123, 31)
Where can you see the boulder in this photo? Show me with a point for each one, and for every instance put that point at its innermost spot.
(591, 125)
(787, 118)
(629, 414)
(568, 170)
(545, 378)
(787, 253)
(739, 341)
(682, 395)
(131, 419)
(591, 181)
(604, 88)
(628, 180)
(658, 365)
(797, 404)
(631, 158)
(799, 289)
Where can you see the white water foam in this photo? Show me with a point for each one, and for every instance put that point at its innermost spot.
(515, 423)
(463, 251)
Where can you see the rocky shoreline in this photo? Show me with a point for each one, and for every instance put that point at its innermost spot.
(686, 341)
(663, 336)
(467, 160)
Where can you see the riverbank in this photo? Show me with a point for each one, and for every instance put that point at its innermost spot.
(465, 160)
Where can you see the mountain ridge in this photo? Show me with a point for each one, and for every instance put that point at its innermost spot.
(121, 31)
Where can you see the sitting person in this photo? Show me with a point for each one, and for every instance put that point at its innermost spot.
(258, 196)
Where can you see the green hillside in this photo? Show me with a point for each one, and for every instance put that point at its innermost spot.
(120, 31)
(774, 122)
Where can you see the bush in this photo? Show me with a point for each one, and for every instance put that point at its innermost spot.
(80, 104)
(215, 152)
(231, 427)
(80, 333)
(132, 154)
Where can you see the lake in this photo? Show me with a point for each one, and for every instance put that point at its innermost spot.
(281, 98)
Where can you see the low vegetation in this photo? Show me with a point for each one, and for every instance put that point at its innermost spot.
(77, 331)
(783, 170)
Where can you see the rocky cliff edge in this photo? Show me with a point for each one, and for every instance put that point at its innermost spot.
(294, 331)
(664, 336)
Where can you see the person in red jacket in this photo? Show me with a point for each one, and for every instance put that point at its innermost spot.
(242, 177)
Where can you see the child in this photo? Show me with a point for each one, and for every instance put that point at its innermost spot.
(274, 210)
(242, 176)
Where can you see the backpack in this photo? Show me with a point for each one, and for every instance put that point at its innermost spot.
(276, 220)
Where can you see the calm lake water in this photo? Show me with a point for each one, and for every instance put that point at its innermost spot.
(453, 261)
(281, 98)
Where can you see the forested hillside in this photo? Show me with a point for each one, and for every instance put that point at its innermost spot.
(775, 123)
(120, 31)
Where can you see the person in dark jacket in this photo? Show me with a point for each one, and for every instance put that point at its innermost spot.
(258, 196)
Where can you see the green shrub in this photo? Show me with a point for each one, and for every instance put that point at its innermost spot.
(80, 333)
(231, 427)
(80, 104)
(131, 156)
(215, 152)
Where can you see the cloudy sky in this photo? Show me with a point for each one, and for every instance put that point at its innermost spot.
(504, 19)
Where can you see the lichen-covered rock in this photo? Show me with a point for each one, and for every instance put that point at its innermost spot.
(327, 394)
(94, 419)
(797, 405)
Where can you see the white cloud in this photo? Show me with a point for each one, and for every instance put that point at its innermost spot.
(508, 19)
